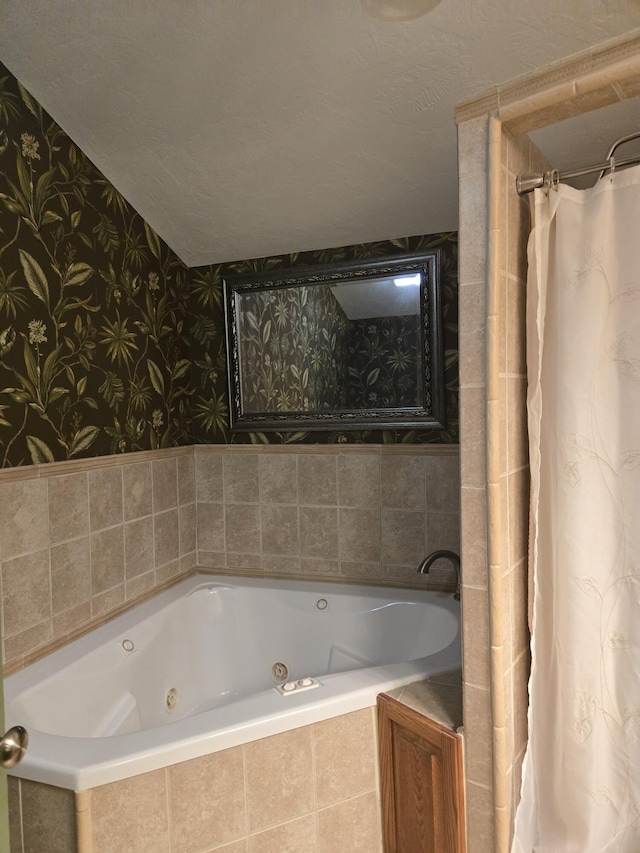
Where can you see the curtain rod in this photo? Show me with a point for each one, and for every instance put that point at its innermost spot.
(527, 183)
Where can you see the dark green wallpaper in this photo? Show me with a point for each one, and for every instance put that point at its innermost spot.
(383, 358)
(295, 342)
(210, 411)
(94, 348)
(108, 343)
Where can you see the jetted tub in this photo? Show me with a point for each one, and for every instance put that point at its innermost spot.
(214, 662)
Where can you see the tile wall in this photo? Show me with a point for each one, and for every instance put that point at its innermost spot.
(353, 513)
(80, 540)
(473, 142)
(310, 790)
(495, 475)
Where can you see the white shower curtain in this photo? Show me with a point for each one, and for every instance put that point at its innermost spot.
(581, 775)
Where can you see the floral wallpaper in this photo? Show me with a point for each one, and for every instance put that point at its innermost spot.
(383, 358)
(292, 361)
(94, 345)
(108, 343)
(210, 409)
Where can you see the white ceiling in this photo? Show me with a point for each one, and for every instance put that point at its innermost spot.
(245, 128)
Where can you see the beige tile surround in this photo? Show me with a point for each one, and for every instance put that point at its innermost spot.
(310, 790)
(494, 471)
(367, 514)
(81, 540)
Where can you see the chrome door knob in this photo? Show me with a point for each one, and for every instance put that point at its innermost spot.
(13, 747)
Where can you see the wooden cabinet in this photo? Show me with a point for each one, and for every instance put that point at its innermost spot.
(421, 777)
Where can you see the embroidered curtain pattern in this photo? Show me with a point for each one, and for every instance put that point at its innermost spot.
(581, 775)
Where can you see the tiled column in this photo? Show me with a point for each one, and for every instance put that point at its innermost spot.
(472, 146)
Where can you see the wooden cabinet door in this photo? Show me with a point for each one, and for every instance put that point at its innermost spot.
(421, 777)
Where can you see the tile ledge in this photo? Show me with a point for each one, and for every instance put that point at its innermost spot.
(438, 697)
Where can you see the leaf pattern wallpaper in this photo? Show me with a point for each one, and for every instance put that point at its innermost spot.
(294, 343)
(108, 342)
(383, 362)
(94, 348)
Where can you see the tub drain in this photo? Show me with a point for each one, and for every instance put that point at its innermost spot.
(279, 672)
(171, 700)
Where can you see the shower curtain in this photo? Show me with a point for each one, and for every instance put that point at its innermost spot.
(581, 773)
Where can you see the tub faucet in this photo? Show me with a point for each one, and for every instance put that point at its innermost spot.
(428, 561)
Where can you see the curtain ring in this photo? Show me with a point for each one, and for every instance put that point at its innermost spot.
(551, 179)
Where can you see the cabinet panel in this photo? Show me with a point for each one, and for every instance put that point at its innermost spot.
(421, 782)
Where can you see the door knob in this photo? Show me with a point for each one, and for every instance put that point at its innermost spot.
(13, 747)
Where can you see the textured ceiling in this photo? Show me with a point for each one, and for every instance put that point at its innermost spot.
(244, 128)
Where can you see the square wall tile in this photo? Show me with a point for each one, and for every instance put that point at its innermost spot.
(359, 535)
(318, 479)
(105, 497)
(166, 537)
(278, 478)
(187, 524)
(209, 486)
(319, 532)
(70, 574)
(279, 790)
(25, 591)
(443, 483)
(48, 818)
(142, 823)
(207, 801)
(137, 490)
(138, 547)
(359, 479)
(353, 825)
(187, 478)
(210, 527)
(107, 559)
(24, 524)
(242, 528)
(279, 525)
(443, 531)
(240, 478)
(165, 484)
(68, 506)
(345, 753)
(402, 481)
(403, 537)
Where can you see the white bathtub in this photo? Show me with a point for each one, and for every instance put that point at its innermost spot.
(191, 671)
